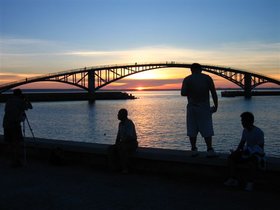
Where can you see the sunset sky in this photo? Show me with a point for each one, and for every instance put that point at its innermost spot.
(46, 36)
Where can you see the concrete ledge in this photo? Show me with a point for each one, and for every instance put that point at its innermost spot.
(145, 158)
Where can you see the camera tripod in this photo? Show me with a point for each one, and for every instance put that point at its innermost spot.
(23, 129)
(26, 118)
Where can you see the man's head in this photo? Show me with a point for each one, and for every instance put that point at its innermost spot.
(247, 119)
(17, 92)
(122, 114)
(196, 68)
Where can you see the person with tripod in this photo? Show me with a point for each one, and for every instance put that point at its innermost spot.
(15, 114)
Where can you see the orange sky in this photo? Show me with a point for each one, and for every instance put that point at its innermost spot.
(68, 35)
(252, 57)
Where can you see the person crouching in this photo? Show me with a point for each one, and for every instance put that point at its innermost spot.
(125, 145)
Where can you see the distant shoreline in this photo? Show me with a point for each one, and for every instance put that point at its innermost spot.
(68, 96)
(45, 95)
(65, 90)
(233, 93)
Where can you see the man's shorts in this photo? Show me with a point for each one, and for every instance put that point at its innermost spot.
(199, 119)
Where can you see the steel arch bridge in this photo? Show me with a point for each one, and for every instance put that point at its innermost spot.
(94, 78)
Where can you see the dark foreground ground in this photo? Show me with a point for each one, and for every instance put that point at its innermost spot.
(39, 185)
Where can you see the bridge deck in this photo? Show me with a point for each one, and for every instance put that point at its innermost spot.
(94, 78)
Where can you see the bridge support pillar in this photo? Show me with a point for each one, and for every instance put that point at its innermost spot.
(247, 86)
(91, 85)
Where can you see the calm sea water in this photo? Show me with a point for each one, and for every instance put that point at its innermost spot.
(160, 119)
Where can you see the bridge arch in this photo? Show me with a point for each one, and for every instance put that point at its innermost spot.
(94, 78)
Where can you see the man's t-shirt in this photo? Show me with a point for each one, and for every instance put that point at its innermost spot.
(254, 139)
(127, 131)
(197, 87)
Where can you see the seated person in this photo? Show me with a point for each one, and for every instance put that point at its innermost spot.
(249, 151)
(125, 145)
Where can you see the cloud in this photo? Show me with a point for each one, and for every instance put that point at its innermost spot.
(36, 56)
(17, 42)
(147, 83)
(252, 56)
(7, 77)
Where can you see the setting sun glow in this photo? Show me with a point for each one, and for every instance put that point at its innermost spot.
(140, 88)
(158, 37)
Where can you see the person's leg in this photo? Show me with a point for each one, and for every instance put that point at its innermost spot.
(194, 148)
(126, 150)
(232, 165)
(252, 171)
(208, 141)
(254, 168)
(124, 156)
(113, 158)
(205, 125)
(15, 143)
(8, 137)
(15, 147)
(210, 150)
(192, 128)
(193, 143)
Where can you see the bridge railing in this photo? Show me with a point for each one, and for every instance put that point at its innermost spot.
(30, 79)
(101, 67)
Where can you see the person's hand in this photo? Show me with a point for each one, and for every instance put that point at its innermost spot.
(213, 109)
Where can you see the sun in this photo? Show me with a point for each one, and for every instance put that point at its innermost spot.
(140, 88)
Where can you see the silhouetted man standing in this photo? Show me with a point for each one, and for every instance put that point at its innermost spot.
(15, 114)
(199, 113)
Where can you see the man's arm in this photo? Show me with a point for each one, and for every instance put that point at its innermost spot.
(28, 104)
(214, 95)
(241, 145)
(261, 140)
(184, 88)
(118, 138)
(130, 132)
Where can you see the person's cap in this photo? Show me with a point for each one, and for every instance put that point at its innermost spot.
(17, 92)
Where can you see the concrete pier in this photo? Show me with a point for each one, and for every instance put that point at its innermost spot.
(83, 96)
(232, 93)
(161, 179)
(157, 160)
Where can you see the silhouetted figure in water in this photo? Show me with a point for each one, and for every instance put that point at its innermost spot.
(125, 145)
(199, 113)
(15, 114)
(250, 151)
